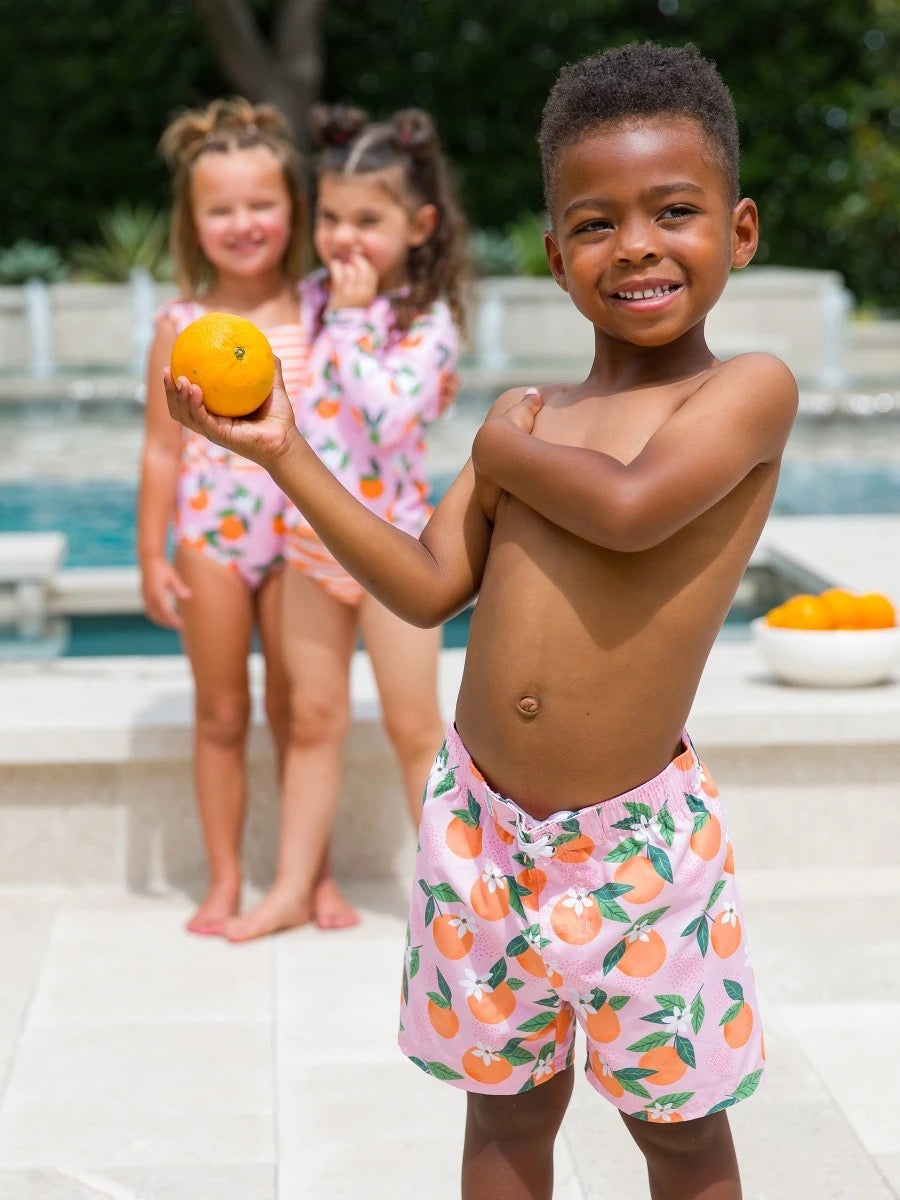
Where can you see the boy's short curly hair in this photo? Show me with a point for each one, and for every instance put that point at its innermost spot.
(632, 82)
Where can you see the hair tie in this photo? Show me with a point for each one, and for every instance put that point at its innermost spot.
(252, 129)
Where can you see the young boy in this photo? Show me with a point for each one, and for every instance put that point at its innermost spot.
(573, 864)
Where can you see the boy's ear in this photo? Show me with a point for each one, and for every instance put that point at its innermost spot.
(423, 225)
(744, 232)
(555, 259)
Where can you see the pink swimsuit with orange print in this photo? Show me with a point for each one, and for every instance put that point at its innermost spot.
(622, 917)
(227, 507)
(369, 392)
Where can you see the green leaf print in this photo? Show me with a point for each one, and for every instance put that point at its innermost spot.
(651, 918)
(515, 984)
(538, 1023)
(405, 986)
(446, 782)
(514, 1054)
(659, 1017)
(610, 891)
(498, 973)
(572, 826)
(723, 1104)
(630, 1077)
(731, 1013)
(693, 926)
(444, 987)
(652, 1041)
(440, 1071)
(438, 1000)
(627, 848)
(516, 892)
(445, 893)
(598, 998)
(676, 1099)
(614, 955)
(618, 1002)
(517, 946)
(685, 1050)
(698, 1012)
(612, 910)
(748, 1085)
(666, 824)
(661, 864)
(733, 989)
(671, 1000)
(429, 911)
(703, 937)
(527, 1086)
(715, 894)
(414, 962)
(638, 810)
(695, 804)
(442, 755)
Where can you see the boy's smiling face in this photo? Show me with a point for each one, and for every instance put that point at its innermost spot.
(644, 229)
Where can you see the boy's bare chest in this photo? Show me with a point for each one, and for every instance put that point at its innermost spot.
(619, 425)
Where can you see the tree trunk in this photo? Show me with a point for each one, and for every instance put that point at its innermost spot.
(288, 72)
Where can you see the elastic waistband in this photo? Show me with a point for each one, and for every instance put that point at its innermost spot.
(683, 775)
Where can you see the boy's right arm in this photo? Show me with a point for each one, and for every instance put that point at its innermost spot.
(425, 580)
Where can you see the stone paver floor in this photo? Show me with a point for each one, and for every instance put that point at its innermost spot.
(138, 1063)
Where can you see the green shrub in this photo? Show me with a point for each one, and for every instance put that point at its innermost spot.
(493, 253)
(130, 237)
(25, 260)
(526, 234)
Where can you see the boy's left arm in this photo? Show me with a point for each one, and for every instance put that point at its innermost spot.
(737, 420)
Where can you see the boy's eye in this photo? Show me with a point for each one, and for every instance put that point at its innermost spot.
(676, 212)
(597, 225)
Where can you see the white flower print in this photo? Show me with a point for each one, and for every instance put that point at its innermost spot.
(639, 933)
(678, 1020)
(728, 915)
(578, 899)
(543, 1066)
(481, 1051)
(645, 829)
(661, 1112)
(475, 985)
(463, 925)
(583, 1004)
(493, 877)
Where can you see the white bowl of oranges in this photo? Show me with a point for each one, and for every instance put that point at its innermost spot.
(834, 639)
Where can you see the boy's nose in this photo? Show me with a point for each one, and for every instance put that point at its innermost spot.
(636, 242)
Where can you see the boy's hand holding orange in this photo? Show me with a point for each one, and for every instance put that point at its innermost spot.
(229, 359)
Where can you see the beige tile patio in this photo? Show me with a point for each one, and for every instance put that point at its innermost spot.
(139, 1095)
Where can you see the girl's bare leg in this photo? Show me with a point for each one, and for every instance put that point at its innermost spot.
(269, 616)
(318, 640)
(218, 623)
(508, 1149)
(405, 662)
(689, 1160)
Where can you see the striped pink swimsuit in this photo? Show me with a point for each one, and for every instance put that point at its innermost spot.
(227, 507)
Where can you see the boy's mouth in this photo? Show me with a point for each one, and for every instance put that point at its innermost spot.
(656, 291)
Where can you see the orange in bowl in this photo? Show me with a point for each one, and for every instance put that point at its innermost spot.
(229, 359)
(835, 639)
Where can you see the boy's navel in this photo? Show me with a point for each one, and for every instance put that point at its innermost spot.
(528, 706)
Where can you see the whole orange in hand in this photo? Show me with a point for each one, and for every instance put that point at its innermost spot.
(229, 359)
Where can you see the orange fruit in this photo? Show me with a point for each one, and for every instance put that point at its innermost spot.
(444, 1021)
(643, 958)
(534, 879)
(576, 918)
(491, 905)
(725, 936)
(705, 842)
(229, 359)
(737, 1031)
(464, 840)
(604, 1076)
(494, 1006)
(806, 612)
(603, 1025)
(639, 874)
(529, 960)
(875, 611)
(452, 940)
(842, 606)
(777, 616)
(666, 1065)
(577, 850)
(485, 1066)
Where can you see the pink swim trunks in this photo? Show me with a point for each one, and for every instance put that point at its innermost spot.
(622, 918)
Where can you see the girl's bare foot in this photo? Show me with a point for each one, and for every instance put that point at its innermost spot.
(331, 908)
(222, 901)
(279, 909)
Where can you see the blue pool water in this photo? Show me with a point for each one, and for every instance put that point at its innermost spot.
(98, 520)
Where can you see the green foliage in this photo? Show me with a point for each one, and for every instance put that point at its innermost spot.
(493, 253)
(815, 87)
(130, 237)
(527, 236)
(25, 260)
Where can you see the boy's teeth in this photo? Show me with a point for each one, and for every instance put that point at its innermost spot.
(646, 294)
